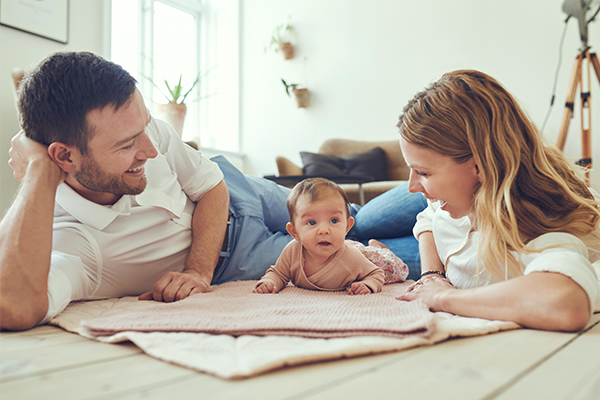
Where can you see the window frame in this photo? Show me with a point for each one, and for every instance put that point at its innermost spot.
(219, 88)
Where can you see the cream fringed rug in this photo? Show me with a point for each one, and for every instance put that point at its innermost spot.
(234, 333)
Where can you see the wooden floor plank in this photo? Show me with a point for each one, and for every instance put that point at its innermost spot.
(92, 381)
(38, 330)
(457, 369)
(572, 373)
(68, 355)
(13, 343)
(276, 385)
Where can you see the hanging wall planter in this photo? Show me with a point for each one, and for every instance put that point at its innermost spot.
(287, 49)
(281, 39)
(301, 95)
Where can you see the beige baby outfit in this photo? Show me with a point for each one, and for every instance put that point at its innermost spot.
(348, 265)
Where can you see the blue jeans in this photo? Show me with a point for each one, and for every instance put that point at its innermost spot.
(390, 218)
(257, 233)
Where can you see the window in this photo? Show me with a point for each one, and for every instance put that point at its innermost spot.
(158, 40)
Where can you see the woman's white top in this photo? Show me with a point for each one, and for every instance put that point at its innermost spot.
(456, 243)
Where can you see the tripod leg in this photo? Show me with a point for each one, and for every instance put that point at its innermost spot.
(596, 64)
(586, 139)
(586, 134)
(568, 114)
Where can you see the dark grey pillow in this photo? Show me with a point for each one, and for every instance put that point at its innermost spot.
(368, 165)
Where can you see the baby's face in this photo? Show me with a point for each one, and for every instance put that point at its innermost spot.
(322, 225)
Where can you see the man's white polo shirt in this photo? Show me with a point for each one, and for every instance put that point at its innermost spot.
(124, 249)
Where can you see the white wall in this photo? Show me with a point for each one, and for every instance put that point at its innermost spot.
(362, 60)
(366, 59)
(24, 50)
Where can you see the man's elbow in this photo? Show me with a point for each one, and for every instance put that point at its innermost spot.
(223, 191)
(22, 317)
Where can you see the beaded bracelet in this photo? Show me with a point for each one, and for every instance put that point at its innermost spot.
(433, 272)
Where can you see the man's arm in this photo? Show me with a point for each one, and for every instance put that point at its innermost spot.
(26, 236)
(208, 229)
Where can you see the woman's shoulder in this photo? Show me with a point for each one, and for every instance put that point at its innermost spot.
(554, 239)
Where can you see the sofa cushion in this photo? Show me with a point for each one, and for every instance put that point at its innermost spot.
(368, 165)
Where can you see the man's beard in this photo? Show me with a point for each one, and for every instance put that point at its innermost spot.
(92, 177)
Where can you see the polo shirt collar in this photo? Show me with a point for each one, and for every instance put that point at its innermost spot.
(89, 213)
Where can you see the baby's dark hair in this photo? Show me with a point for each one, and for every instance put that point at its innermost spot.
(316, 188)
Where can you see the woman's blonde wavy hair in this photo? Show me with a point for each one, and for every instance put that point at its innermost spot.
(527, 187)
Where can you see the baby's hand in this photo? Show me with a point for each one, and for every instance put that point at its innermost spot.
(359, 288)
(266, 287)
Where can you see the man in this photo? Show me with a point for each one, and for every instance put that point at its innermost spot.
(113, 203)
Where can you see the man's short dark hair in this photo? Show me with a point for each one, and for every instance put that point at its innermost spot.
(55, 97)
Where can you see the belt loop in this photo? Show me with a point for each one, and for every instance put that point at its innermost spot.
(225, 245)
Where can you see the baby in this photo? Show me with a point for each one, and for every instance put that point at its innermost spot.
(320, 258)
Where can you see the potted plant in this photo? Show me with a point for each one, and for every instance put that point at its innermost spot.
(301, 95)
(174, 111)
(281, 40)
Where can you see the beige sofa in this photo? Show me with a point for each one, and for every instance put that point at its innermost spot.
(398, 171)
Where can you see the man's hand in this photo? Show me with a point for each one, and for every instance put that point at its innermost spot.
(174, 286)
(358, 288)
(24, 151)
(266, 287)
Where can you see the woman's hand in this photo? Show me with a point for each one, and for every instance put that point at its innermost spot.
(430, 288)
(427, 278)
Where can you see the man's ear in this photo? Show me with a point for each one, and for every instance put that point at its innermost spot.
(292, 231)
(64, 156)
(350, 224)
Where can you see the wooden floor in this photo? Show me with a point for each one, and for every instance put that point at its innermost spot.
(48, 363)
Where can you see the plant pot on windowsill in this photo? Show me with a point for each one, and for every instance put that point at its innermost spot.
(173, 114)
(175, 110)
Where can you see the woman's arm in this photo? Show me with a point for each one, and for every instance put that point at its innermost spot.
(430, 260)
(540, 300)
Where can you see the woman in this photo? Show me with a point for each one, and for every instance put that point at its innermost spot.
(511, 230)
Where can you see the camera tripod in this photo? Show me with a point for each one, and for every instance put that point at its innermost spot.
(577, 80)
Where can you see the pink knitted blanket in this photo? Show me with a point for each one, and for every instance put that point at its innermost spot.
(233, 309)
